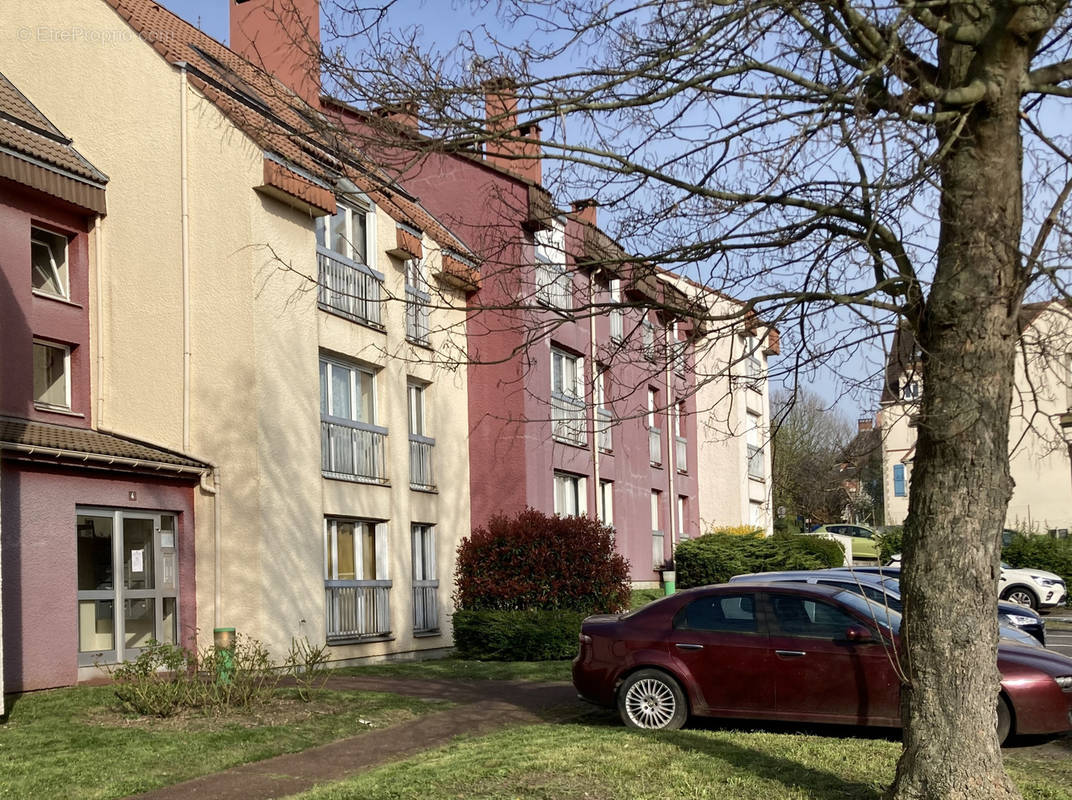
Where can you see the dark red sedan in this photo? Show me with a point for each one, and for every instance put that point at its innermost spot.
(797, 652)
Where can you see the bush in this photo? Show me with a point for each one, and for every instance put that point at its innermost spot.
(1040, 552)
(737, 530)
(536, 562)
(889, 543)
(717, 557)
(529, 635)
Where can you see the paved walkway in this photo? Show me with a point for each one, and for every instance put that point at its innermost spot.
(483, 706)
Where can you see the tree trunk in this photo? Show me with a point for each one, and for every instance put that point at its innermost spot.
(961, 485)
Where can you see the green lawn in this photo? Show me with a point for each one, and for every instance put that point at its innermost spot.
(71, 743)
(460, 669)
(603, 761)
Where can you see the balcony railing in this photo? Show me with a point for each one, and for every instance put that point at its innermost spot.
(417, 326)
(567, 419)
(348, 289)
(553, 286)
(604, 423)
(421, 474)
(357, 609)
(353, 453)
(425, 606)
(681, 448)
(655, 446)
(755, 462)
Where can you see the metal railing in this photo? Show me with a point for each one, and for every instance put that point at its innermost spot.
(681, 447)
(655, 446)
(354, 453)
(755, 462)
(604, 423)
(421, 473)
(425, 606)
(567, 419)
(357, 609)
(347, 290)
(417, 325)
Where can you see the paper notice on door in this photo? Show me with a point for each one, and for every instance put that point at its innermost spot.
(137, 561)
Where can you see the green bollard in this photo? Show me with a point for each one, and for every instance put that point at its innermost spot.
(223, 639)
(669, 582)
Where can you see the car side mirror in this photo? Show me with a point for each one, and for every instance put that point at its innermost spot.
(858, 634)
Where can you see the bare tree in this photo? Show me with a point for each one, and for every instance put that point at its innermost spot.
(808, 437)
(846, 165)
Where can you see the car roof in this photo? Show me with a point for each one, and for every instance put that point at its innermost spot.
(780, 586)
(841, 574)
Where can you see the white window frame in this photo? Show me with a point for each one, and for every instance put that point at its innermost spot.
(425, 578)
(61, 273)
(554, 283)
(617, 314)
(418, 302)
(679, 520)
(568, 422)
(348, 209)
(66, 350)
(753, 439)
(332, 364)
(606, 502)
(570, 487)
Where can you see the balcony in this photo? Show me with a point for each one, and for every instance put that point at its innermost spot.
(567, 420)
(425, 607)
(755, 463)
(357, 610)
(421, 474)
(348, 289)
(655, 447)
(353, 452)
(417, 325)
(604, 423)
(681, 448)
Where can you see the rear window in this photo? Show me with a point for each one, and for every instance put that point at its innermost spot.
(719, 613)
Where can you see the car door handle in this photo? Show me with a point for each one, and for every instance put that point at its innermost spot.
(689, 647)
(790, 653)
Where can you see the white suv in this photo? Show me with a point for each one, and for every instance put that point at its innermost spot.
(1031, 587)
(1034, 588)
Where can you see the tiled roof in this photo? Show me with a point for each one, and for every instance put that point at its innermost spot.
(271, 114)
(59, 444)
(35, 153)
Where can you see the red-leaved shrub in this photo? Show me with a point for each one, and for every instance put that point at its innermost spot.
(533, 561)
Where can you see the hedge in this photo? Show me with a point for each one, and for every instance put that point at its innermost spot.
(517, 635)
(1040, 552)
(717, 557)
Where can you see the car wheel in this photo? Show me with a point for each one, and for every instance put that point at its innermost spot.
(1004, 720)
(1022, 596)
(652, 700)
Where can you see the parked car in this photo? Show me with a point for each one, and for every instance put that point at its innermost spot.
(864, 544)
(1031, 588)
(1017, 623)
(785, 651)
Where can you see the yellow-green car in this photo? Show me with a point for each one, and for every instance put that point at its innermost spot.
(864, 545)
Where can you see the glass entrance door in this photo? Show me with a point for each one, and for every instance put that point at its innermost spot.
(127, 583)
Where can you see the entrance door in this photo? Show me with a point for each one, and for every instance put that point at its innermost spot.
(127, 583)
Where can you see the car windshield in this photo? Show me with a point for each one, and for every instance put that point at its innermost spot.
(884, 617)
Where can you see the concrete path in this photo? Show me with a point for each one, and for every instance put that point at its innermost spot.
(483, 706)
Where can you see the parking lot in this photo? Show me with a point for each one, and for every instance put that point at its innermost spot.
(1059, 632)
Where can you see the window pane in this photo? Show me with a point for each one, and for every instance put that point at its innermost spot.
(360, 236)
(50, 375)
(96, 625)
(48, 256)
(138, 554)
(367, 399)
(139, 621)
(416, 410)
(337, 241)
(368, 551)
(94, 553)
(340, 392)
(734, 614)
(345, 544)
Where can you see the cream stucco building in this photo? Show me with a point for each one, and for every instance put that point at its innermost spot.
(261, 303)
(1038, 447)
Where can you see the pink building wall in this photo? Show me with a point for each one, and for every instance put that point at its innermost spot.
(25, 315)
(40, 586)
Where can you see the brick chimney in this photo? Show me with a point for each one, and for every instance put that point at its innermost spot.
(282, 37)
(403, 115)
(586, 211)
(864, 425)
(514, 148)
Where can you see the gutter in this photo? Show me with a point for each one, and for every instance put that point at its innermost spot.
(104, 460)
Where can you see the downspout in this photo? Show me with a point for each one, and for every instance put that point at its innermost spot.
(98, 265)
(671, 436)
(600, 511)
(214, 489)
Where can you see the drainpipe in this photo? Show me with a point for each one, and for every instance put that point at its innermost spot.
(671, 437)
(592, 394)
(98, 264)
(185, 222)
(217, 566)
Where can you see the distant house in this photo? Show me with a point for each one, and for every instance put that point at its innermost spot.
(860, 474)
(1038, 447)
